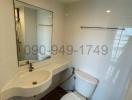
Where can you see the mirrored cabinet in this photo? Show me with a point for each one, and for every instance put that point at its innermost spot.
(34, 27)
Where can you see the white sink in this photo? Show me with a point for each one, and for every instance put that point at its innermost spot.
(34, 78)
(28, 84)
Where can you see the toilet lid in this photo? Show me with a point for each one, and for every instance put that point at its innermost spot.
(70, 96)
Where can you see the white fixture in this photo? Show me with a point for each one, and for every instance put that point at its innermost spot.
(85, 86)
(108, 11)
(28, 84)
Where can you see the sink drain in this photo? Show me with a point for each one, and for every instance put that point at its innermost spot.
(34, 83)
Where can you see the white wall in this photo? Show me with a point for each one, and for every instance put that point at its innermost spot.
(8, 56)
(112, 75)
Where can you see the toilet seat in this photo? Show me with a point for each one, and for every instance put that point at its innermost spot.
(72, 96)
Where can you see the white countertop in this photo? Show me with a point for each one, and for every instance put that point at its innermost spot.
(54, 65)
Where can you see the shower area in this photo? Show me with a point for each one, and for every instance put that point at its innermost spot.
(19, 33)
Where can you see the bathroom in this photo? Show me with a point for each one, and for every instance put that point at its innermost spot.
(91, 37)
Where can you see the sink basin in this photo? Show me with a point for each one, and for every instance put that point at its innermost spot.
(28, 84)
(32, 79)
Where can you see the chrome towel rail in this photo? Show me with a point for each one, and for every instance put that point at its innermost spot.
(109, 28)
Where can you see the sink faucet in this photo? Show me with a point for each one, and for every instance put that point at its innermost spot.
(30, 66)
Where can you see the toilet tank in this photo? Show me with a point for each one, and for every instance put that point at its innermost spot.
(85, 84)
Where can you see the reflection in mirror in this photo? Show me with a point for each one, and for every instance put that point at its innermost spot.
(33, 32)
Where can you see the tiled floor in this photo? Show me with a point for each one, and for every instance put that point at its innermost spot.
(55, 94)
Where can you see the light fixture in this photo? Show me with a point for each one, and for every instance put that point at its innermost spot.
(108, 11)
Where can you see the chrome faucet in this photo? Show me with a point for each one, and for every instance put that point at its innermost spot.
(30, 66)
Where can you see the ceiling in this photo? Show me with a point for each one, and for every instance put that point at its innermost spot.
(69, 1)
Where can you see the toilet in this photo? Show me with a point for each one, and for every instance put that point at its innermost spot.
(85, 86)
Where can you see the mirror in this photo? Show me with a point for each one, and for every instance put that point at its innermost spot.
(34, 28)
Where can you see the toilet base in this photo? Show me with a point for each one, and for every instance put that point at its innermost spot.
(73, 96)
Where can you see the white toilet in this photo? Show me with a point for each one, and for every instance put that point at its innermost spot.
(85, 86)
